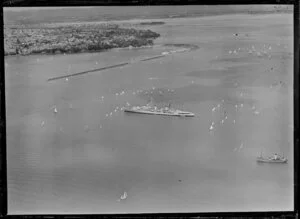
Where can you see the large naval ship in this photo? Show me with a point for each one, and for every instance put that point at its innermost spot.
(274, 159)
(154, 110)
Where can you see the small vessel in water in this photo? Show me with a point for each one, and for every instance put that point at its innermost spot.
(123, 197)
(153, 110)
(274, 159)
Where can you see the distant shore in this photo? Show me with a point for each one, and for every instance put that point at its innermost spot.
(34, 15)
(72, 38)
(65, 34)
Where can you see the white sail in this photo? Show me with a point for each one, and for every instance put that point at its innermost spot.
(124, 196)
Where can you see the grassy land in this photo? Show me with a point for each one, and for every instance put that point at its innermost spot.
(55, 39)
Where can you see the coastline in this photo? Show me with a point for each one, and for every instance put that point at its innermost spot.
(165, 20)
(57, 39)
(109, 14)
(94, 36)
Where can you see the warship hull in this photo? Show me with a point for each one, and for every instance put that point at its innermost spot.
(179, 114)
(268, 160)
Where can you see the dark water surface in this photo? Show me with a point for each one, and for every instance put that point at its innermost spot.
(82, 158)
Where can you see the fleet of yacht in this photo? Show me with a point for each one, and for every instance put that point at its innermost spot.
(152, 109)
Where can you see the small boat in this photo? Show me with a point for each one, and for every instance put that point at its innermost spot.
(274, 159)
(123, 197)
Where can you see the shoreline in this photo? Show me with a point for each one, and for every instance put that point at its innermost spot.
(70, 39)
(137, 21)
(115, 34)
(110, 14)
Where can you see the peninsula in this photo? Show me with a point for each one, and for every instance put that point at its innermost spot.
(72, 38)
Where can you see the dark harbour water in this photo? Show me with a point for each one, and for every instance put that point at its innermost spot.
(82, 158)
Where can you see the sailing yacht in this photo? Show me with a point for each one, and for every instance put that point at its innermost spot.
(123, 197)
